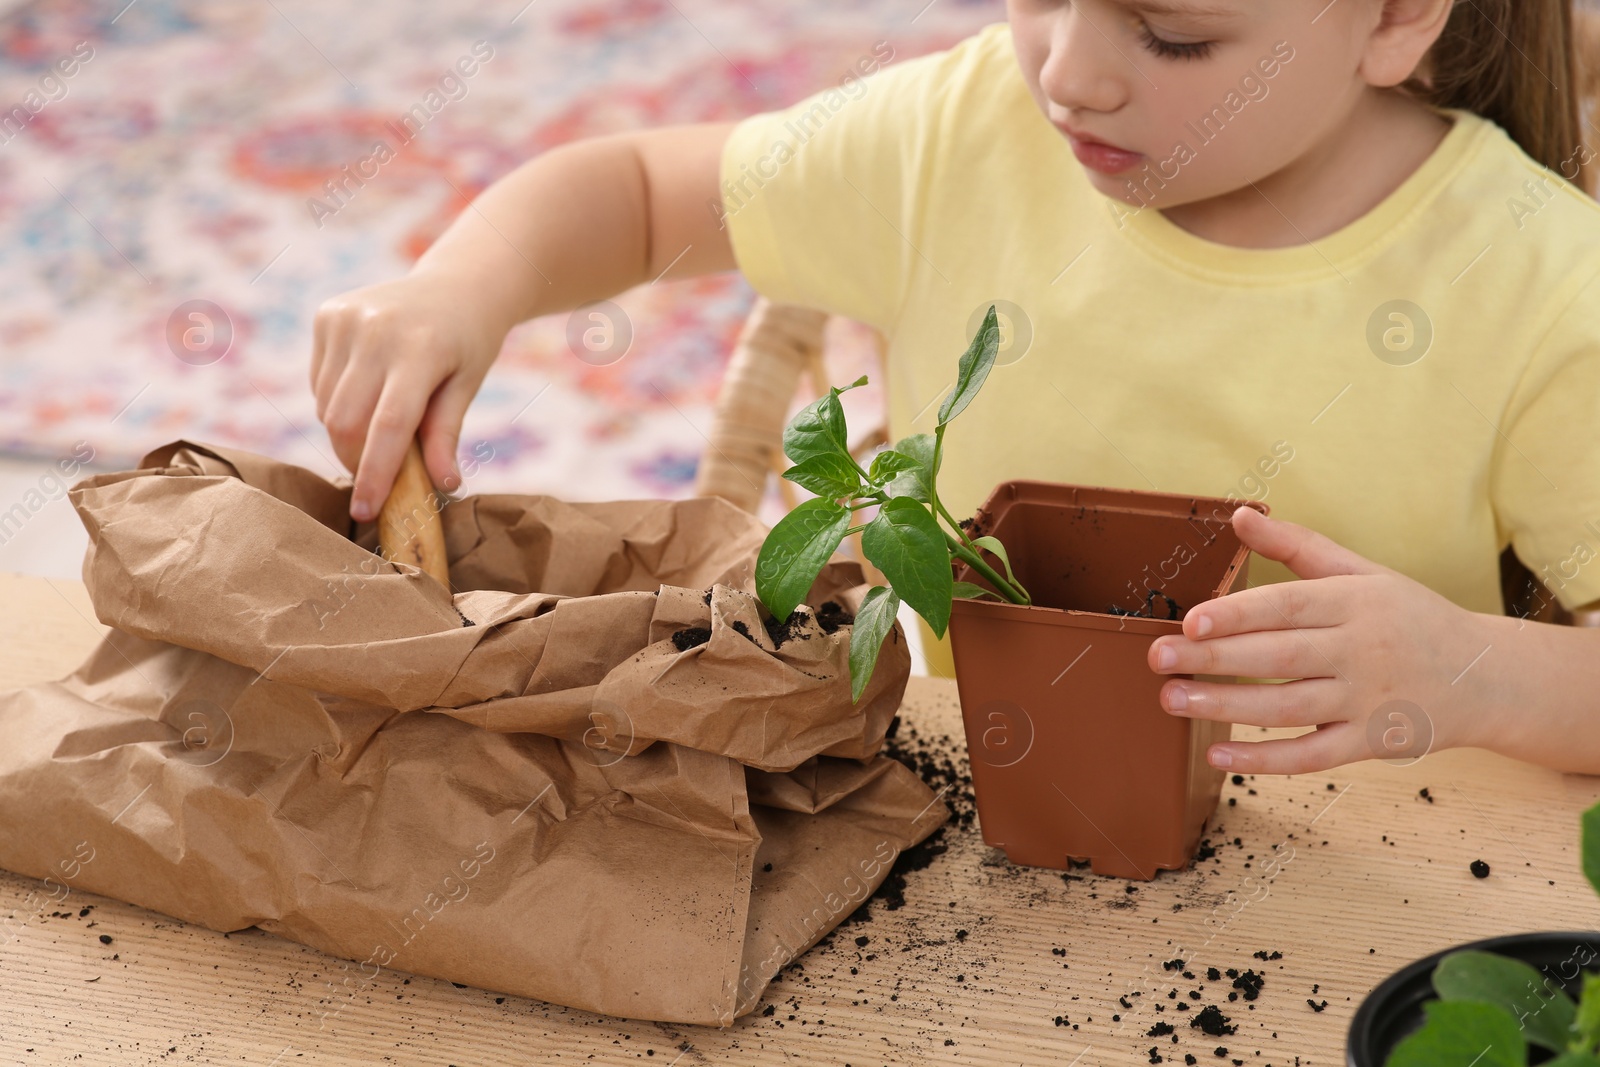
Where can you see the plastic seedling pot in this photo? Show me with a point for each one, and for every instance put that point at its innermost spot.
(1393, 1010)
(1073, 757)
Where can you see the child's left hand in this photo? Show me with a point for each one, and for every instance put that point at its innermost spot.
(1353, 634)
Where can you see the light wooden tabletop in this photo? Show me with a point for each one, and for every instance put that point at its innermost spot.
(984, 964)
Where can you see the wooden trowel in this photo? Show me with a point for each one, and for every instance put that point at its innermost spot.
(410, 528)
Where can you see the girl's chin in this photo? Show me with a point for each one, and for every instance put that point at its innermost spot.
(1115, 187)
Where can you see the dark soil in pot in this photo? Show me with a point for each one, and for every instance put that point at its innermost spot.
(1393, 1010)
(1073, 757)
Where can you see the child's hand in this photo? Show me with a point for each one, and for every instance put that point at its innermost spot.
(389, 358)
(1353, 634)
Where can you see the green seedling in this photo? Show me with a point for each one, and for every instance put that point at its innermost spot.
(1491, 1008)
(904, 539)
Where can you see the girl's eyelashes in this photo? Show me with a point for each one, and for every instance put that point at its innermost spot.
(1172, 49)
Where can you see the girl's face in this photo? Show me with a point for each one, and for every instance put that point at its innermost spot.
(1169, 102)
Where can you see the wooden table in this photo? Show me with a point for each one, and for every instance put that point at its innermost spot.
(977, 967)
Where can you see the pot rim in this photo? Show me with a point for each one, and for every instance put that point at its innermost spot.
(1033, 491)
(1504, 944)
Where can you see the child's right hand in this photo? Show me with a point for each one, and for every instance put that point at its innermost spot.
(389, 358)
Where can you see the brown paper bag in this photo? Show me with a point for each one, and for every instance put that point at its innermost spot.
(591, 776)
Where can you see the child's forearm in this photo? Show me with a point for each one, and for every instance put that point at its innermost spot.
(561, 230)
(1537, 697)
(580, 223)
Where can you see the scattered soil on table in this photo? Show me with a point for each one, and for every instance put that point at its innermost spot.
(1479, 869)
(931, 953)
(1209, 1019)
(936, 762)
(690, 637)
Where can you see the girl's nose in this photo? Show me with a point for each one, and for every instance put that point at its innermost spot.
(1084, 70)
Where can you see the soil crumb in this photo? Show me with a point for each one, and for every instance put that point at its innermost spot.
(691, 637)
(788, 628)
(743, 631)
(832, 616)
(1211, 1022)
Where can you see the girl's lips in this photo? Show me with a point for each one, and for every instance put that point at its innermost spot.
(1105, 158)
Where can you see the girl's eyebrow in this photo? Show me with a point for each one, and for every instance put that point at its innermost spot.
(1183, 8)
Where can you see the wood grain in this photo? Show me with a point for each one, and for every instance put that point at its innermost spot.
(1369, 876)
(409, 527)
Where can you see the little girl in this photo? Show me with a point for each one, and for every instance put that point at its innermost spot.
(1333, 252)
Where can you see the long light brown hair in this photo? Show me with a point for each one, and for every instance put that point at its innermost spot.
(1527, 65)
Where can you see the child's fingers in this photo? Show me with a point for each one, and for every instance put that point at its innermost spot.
(1303, 550)
(1326, 747)
(1260, 654)
(441, 430)
(319, 342)
(1308, 702)
(1315, 602)
(330, 355)
(394, 424)
(349, 409)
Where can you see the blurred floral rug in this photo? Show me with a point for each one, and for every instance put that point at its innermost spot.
(163, 251)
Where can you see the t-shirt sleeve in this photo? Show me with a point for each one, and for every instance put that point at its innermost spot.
(821, 199)
(1545, 483)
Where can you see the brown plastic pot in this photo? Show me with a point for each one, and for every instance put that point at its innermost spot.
(1073, 757)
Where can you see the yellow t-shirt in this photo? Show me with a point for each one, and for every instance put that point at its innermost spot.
(1425, 435)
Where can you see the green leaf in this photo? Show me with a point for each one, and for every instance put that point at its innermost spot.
(795, 551)
(1573, 1059)
(974, 368)
(914, 482)
(1590, 836)
(993, 545)
(818, 429)
(1517, 987)
(890, 462)
(968, 591)
(828, 475)
(872, 625)
(1461, 1032)
(1587, 1020)
(905, 543)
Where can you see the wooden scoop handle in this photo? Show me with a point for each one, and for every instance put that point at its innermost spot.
(410, 529)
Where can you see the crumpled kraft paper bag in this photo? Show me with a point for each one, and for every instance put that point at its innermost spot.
(526, 787)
